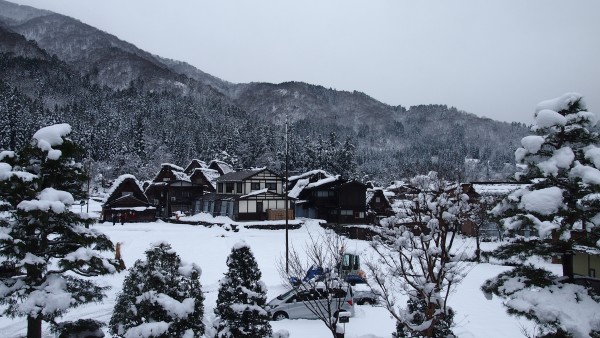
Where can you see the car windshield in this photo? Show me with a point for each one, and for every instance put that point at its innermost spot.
(286, 295)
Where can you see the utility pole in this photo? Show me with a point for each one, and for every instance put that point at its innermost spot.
(287, 253)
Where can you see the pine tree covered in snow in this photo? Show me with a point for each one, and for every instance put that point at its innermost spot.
(415, 313)
(562, 160)
(161, 297)
(242, 298)
(46, 247)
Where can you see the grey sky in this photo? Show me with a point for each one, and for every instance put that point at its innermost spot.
(494, 58)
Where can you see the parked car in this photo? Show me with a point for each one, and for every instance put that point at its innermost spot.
(301, 303)
(363, 295)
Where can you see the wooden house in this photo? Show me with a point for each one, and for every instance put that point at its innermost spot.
(248, 195)
(378, 205)
(330, 198)
(173, 191)
(127, 201)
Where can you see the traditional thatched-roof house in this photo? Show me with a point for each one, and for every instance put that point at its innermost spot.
(173, 191)
(126, 201)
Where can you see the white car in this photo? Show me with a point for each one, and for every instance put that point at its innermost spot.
(311, 303)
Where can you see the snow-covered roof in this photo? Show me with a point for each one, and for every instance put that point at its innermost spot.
(118, 181)
(238, 176)
(298, 187)
(181, 176)
(308, 174)
(496, 189)
(326, 180)
(211, 175)
(254, 193)
(371, 192)
(225, 167)
(195, 163)
(172, 166)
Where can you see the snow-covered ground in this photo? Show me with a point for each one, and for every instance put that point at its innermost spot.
(209, 247)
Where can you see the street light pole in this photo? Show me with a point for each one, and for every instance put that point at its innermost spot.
(287, 265)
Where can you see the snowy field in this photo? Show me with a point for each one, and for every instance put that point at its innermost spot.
(209, 247)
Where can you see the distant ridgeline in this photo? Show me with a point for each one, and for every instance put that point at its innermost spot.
(132, 111)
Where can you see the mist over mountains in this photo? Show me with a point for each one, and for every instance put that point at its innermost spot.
(133, 110)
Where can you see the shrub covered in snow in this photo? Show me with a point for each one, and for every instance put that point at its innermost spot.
(48, 246)
(161, 297)
(242, 298)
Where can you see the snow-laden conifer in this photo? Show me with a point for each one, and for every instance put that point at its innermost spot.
(45, 247)
(563, 161)
(240, 311)
(161, 297)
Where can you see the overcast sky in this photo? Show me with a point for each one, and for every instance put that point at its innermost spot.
(494, 58)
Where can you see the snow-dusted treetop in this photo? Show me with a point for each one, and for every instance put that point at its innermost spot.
(6, 153)
(241, 244)
(560, 103)
(51, 136)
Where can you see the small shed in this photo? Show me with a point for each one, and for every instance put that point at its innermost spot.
(126, 201)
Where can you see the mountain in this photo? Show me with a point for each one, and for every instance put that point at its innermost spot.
(134, 110)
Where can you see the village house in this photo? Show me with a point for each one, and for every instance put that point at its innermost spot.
(378, 204)
(256, 194)
(172, 191)
(126, 202)
(331, 198)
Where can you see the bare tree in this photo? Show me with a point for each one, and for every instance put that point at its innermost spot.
(415, 255)
(324, 294)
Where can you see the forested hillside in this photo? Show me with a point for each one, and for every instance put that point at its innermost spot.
(132, 111)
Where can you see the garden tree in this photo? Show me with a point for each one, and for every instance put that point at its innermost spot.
(322, 253)
(415, 255)
(47, 247)
(242, 298)
(161, 297)
(562, 161)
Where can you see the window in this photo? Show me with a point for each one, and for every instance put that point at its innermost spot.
(166, 179)
(346, 212)
(220, 188)
(229, 188)
(271, 186)
(185, 194)
(255, 186)
(377, 199)
(592, 273)
(325, 193)
(239, 188)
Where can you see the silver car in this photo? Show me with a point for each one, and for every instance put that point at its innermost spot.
(311, 304)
